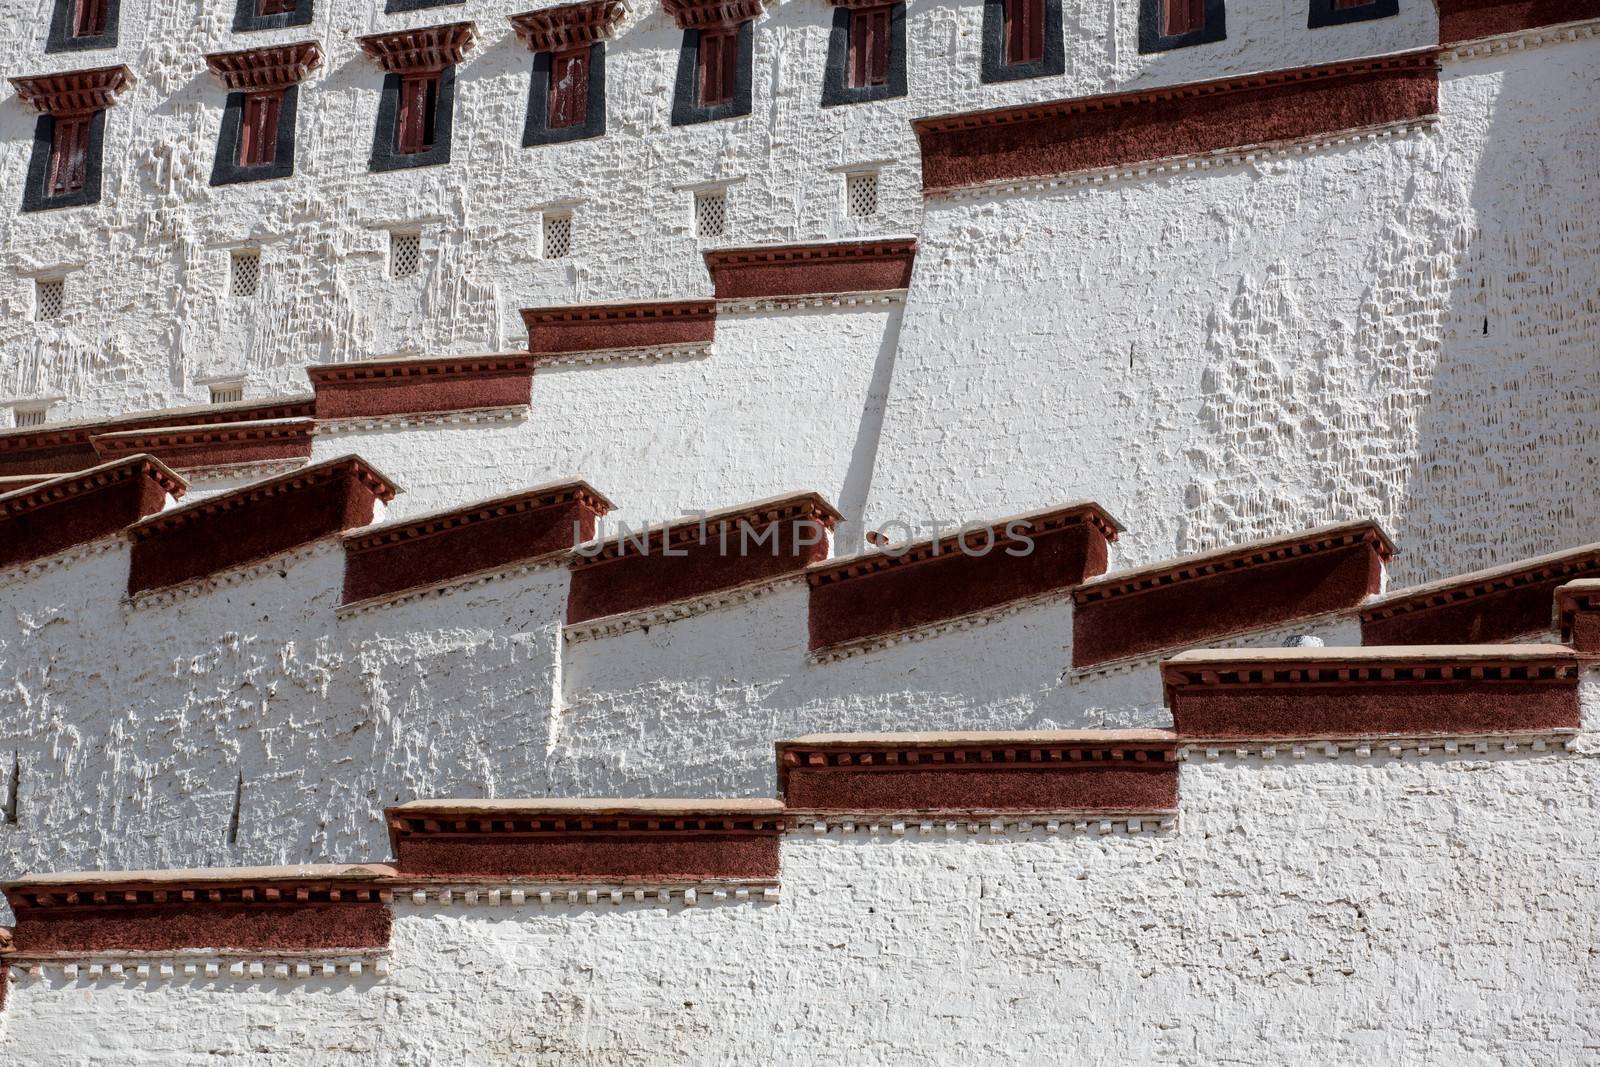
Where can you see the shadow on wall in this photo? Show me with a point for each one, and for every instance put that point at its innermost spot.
(1508, 444)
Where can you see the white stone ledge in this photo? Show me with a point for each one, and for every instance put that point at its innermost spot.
(913, 634)
(863, 299)
(921, 824)
(24, 572)
(1222, 157)
(466, 417)
(169, 594)
(199, 963)
(1521, 40)
(515, 895)
(627, 622)
(1399, 747)
(612, 356)
(452, 585)
(226, 471)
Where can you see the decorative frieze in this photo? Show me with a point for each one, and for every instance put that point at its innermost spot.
(982, 566)
(517, 895)
(266, 69)
(693, 558)
(1091, 133)
(1372, 693)
(422, 50)
(778, 271)
(651, 842)
(52, 517)
(185, 447)
(1088, 772)
(487, 535)
(75, 92)
(1495, 604)
(260, 520)
(382, 387)
(570, 26)
(1223, 592)
(711, 14)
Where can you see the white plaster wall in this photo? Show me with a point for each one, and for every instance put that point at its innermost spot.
(1424, 910)
(1402, 330)
(148, 265)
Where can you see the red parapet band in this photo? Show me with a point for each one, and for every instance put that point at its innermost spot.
(370, 388)
(1466, 20)
(879, 593)
(808, 270)
(1212, 594)
(1578, 615)
(612, 840)
(260, 520)
(245, 909)
(482, 536)
(1497, 604)
(189, 447)
(763, 541)
(1284, 693)
(605, 327)
(1091, 133)
(1088, 772)
(61, 513)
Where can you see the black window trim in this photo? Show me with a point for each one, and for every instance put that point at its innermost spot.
(226, 169)
(60, 38)
(1151, 39)
(384, 156)
(995, 67)
(245, 19)
(537, 131)
(1322, 13)
(686, 111)
(34, 194)
(836, 87)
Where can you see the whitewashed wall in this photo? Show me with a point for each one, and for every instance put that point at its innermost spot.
(1423, 910)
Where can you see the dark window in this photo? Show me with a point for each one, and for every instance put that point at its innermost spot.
(569, 88)
(258, 129)
(419, 106)
(1168, 24)
(274, 7)
(719, 64)
(1024, 31)
(1182, 16)
(89, 18)
(1344, 12)
(270, 14)
(69, 156)
(869, 47)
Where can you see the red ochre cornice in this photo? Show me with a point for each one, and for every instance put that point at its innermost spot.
(1091, 133)
(188, 447)
(266, 68)
(1466, 20)
(775, 271)
(711, 14)
(74, 92)
(603, 327)
(75, 509)
(557, 29)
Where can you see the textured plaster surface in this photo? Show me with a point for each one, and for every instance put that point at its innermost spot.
(1425, 910)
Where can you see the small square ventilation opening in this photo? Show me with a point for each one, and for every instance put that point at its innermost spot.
(244, 276)
(49, 298)
(405, 254)
(227, 392)
(557, 235)
(22, 418)
(711, 213)
(861, 194)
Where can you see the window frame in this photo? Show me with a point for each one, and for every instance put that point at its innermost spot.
(686, 107)
(63, 20)
(247, 17)
(36, 195)
(1152, 20)
(836, 87)
(227, 168)
(1323, 13)
(386, 154)
(537, 130)
(1052, 61)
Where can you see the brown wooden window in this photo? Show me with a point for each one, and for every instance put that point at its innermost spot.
(419, 101)
(719, 63)
(258, 129)
(274, 7)
(1183, 16)
(69, 155)
(869, 47)
(1025, 30)
(89, 18)
(569, 88)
